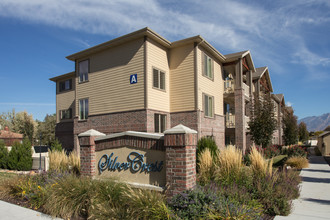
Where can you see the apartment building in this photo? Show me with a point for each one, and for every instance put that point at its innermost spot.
(143, 82)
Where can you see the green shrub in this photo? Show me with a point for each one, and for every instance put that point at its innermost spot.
(3, 155)
(296, 151)
(209, 143)
(20, 156)
(56, 146)
(279, 160)
(211, 203)
(271, 151)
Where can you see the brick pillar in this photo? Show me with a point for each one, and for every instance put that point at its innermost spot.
(87, 152)
(240, 136)
(180, 143)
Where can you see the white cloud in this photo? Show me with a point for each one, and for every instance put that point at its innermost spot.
(289, 104)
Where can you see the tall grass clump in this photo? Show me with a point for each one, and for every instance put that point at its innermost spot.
(59, 161)
(146, 204)
(206, 167)
(230, 164)
(298, 162)
(259, 165)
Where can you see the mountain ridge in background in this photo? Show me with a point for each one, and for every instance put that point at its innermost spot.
(316, 123)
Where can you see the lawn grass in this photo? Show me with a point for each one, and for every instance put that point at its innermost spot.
(6, 176)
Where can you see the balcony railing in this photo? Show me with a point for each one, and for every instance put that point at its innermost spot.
(247, 119)
(246, 90)
(230, 121)
(229, 86)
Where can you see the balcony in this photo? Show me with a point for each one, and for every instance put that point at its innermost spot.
(230, 121)
(246, 90)
(229, 88)
(247, 119)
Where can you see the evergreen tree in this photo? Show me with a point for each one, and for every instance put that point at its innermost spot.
(262, 121)
(3, 155)
(302, 132)
(290, 128)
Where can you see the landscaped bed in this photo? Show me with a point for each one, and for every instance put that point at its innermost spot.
(226, 189)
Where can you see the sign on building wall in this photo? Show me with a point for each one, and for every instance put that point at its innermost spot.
(133, 79)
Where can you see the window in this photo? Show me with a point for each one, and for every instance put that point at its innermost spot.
(83, 109)
(65, 85)
(160, 123)
(208, 106)
(66, 114)
(207, 66)
(158, 79)
(83, 70)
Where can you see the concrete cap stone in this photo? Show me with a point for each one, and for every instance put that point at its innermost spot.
(90, 133)
(180, 129)
(134, 134)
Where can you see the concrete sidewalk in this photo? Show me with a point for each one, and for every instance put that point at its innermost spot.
(314, 200)
(12, 212)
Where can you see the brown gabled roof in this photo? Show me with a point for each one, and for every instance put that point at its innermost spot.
(234, 56)
(66, 75)
(7, 134)
(260, 72)
(326, 133)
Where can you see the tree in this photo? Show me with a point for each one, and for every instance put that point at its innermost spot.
(47, 129)
(290, 128)
(262, 121)
(20, 156)
(302, 132)
(20, 122)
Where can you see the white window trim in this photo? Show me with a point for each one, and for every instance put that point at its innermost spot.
(205, 57)
(86, 75)
(207, 97)
(85, 117)
(158, 83)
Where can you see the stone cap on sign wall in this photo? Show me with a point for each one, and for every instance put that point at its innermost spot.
(180, 129)
(90, 133)
(156, 136)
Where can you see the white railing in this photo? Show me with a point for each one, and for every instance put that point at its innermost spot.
(246, 90)
(247, 119)
(230, 121)
(229, 86)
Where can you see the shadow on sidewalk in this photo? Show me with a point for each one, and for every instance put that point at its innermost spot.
(313, 170)
(321, 201)
(315, 180)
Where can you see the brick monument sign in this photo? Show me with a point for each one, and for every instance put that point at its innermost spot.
(157, 161)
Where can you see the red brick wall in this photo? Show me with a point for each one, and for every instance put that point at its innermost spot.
(64, 133)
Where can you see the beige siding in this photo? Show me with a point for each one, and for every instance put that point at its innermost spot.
(182, 79)
(210, 87)
(158, 58)
(65, 99)
(109, 88)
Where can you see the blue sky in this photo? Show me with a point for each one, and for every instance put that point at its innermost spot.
(291, 37)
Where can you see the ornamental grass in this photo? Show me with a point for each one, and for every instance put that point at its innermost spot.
(259, 165)
(229, 165)
(206, 167)
(298, 162)
(59, 161)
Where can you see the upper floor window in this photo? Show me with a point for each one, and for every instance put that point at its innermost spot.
(208, 105)
(207, 66)
(83, 70)
(158, 79)
(65, 85)
(66, 114)
(83, 109)
(160, 123)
